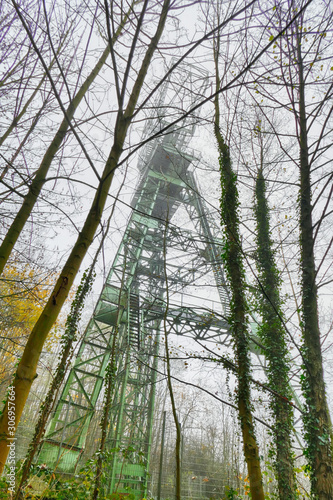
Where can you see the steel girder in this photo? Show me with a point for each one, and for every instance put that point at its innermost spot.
(132, 306)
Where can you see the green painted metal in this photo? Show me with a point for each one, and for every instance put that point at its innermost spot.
(132, 300)
(132, 303)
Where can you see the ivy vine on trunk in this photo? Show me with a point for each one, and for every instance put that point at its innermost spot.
(233, 262)
(64, 357)
(272, 334)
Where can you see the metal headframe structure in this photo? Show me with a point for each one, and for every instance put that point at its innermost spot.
(133, 312)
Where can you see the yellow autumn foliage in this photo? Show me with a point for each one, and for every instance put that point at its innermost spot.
(24, 291)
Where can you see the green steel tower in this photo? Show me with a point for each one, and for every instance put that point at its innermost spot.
(158, 254)
(133, 306)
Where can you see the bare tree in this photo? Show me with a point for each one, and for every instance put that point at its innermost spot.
(39, 177)
(300, 76)
(26, 370)
(129, 69)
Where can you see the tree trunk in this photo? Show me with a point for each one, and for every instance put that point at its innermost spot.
(232, 257)
(109, 385)
(39, 179)
(238, 323)
(26, 370)
(317, 422)
(272, 333)
(67, 341)
(169, 377)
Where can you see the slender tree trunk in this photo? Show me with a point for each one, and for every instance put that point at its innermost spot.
(272, 333)
(39, 179)
(26, 370)
(317, 422)
(67, 340)
(238, 323)
(109, 385)
(169, 380)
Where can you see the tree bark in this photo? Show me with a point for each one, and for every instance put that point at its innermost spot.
(238, 322)
(39, 179)
(169, 377)
(272, 333)
(317, 421)
(67, 341)
(26, 370)
(109, 386)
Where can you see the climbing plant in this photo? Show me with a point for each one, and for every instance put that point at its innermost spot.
(233, 262)
(271, 331)
(66, 343)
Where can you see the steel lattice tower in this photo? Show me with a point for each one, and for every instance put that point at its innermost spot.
(133, 303)
(133, 306)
